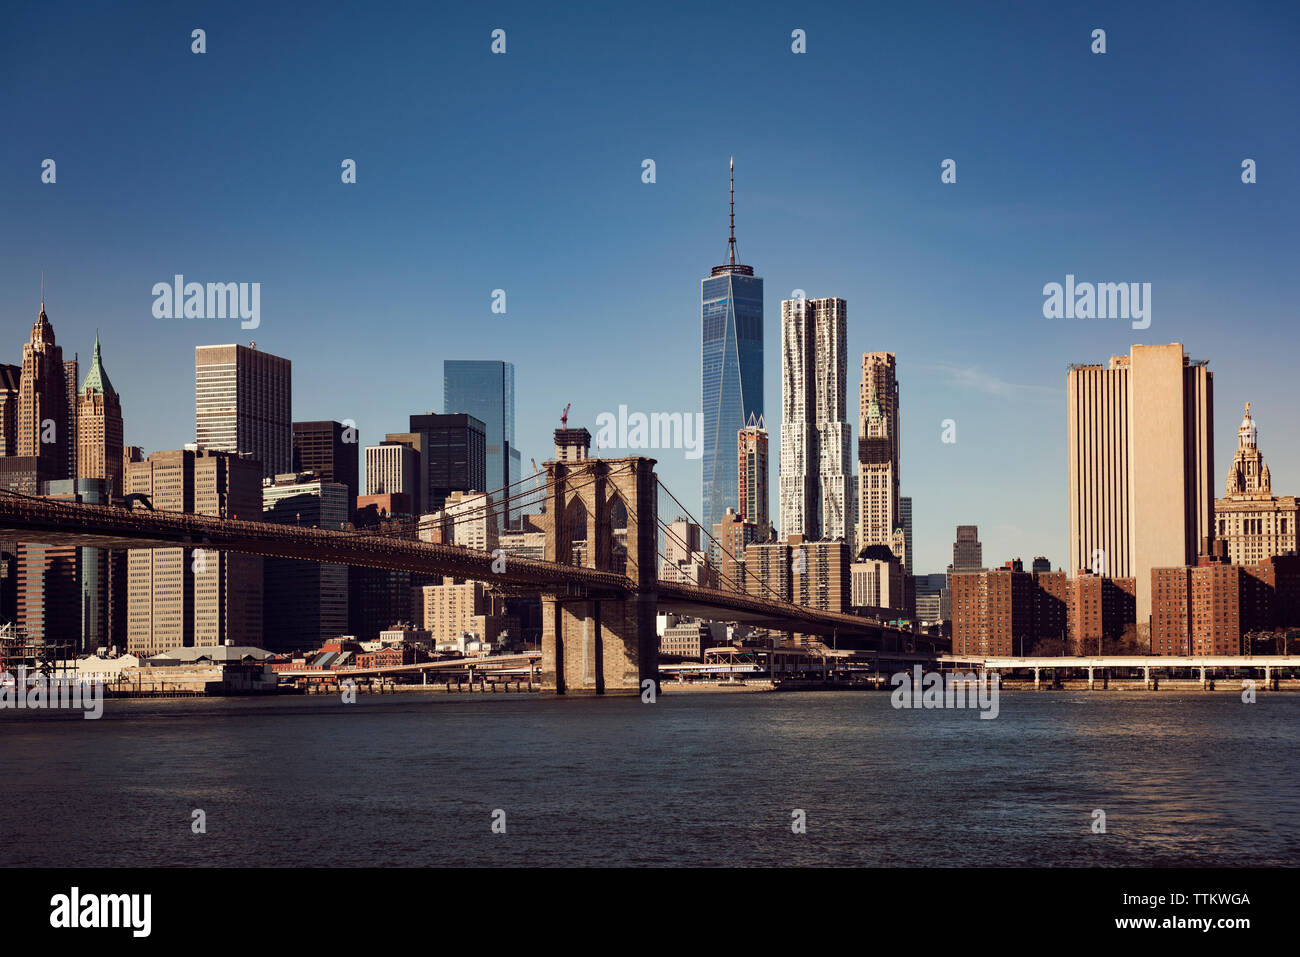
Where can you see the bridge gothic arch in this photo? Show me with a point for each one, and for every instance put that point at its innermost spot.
(601, 644)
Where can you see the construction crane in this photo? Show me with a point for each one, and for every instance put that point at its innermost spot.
(564, 417)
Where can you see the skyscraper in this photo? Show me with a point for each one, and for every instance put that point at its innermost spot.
(100, 481)
(10, 385)
(43, 419)
(797, 484)
(453, 456)
(393, 468)
(817, 497)
(330, 450)
(99, 428)
(1141, 463)
(486, 390)
(752, 466)
(967, 551)
(308, 601)
(70, 431)
(243, 403)
(731, 320)
(905, 517)
(878, 458)
(1254, 523)
(183, 597)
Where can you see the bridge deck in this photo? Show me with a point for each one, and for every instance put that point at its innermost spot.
(25, 518)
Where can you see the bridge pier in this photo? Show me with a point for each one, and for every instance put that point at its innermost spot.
(1037, 683)
(604, 644)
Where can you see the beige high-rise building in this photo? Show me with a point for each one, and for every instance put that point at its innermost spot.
(681, 541)
(244, 403)
(183, 597)
(457, 608)
(393, 467)
(99, 428)
(877, 583)
(468, 519)
(1255, 523)
(878, 456)
(1141, 463)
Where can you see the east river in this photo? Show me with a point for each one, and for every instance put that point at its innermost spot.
(693, 779)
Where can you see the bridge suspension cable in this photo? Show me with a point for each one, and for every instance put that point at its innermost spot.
(709, 533)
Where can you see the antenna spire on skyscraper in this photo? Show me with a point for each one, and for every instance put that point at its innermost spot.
(731, 243)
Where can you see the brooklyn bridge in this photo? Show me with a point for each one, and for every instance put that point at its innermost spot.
(598, 581)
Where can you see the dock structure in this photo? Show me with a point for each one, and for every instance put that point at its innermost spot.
(1101, 670)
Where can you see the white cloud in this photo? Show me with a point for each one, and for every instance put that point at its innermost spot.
(978, 380)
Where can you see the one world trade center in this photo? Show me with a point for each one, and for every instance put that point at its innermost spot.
(731, 321)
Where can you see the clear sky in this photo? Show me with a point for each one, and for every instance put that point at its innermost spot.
(522, 172)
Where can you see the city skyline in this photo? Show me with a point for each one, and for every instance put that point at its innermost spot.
(866, 216)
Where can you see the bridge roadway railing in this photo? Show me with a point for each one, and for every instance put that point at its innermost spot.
(51, 522)
(54, 523)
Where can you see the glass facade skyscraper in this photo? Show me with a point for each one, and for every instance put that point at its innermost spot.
(486, 390)
(731, 321)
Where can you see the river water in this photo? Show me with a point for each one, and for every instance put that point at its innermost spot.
(693, 779)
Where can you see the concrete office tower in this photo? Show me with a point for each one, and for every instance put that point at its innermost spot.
(684, 558)
(751, 463)
(392, 468)
(183, 597)
(486, 390)
(10, 384)
(70, 430)
(43, 418)
(453, 456)
(49, 579)
(877, 583)
(306, 602)
(101, 573)
(879, 479)
(731, 384)
(330, 449)
(1255, 523)
(905, 516)
(467, 519)
(930, 597)
(817, 495)
(99, 429)
(681, 541)
(243, 403)
(1141, 464)
(967, 550)
(457, 608)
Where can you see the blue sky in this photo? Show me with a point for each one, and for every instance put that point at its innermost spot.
(523, 172)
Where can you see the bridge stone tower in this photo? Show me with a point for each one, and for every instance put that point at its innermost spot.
(600, 644)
